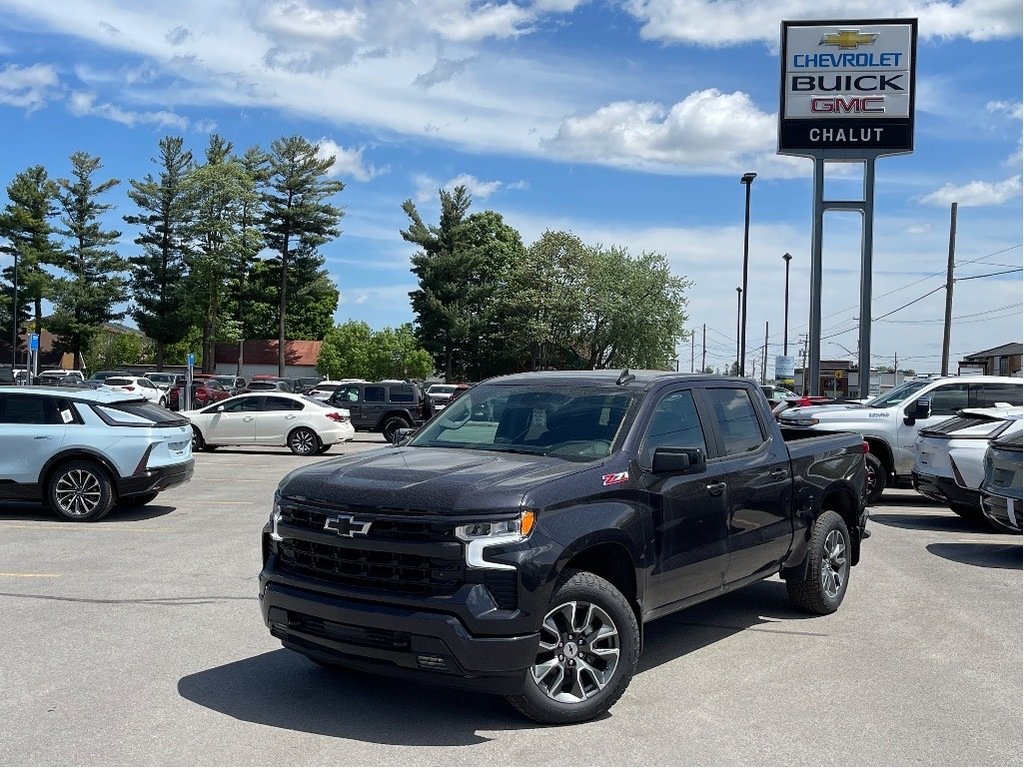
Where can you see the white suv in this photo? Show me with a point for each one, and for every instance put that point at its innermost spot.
(81, 451)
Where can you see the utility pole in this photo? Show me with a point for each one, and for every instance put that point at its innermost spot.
(949, 290)
(803, 367)
(764, 355)
(704, 349)
(693, 337)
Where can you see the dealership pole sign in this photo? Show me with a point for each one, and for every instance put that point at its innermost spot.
(847, 88)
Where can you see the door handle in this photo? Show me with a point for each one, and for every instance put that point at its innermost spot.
(777, 474)
(248, 418)
(716, 489)
(290, 417)
(43, 437)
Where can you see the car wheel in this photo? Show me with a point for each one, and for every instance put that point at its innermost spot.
(163, 402)
(80, 491)
(303, 441)
(589, 646)
(198, 443)
(819, 585)
(391, 426)
(874, 480)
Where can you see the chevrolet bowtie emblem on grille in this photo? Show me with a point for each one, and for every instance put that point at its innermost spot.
(346, 525)
(847, 39)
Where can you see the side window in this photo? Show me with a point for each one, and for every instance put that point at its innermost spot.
(373, 394)
(272, 403)
(346, 395)
(245, 405)
(29, 409)
(674, 423)
(402, 395)
(948, 399)
(147, 383)
(737, 419)
(988, 395)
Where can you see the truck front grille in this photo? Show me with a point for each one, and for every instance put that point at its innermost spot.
(387, 524)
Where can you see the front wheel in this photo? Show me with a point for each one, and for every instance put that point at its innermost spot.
(819, 584)
(80, 491)
(589, 647)
(874, 480)
(303, 441)
(163, 402)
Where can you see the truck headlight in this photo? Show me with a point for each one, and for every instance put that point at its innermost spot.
(807, 421)
(481, 535)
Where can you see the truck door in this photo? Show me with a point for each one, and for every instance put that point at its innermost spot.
(759, 483)
(688, 511)
(946, 400)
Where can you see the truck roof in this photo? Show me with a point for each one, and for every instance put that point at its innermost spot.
(641, 379)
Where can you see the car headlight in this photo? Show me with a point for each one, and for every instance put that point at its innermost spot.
(808, 421)
(275, 518)
(478, 536)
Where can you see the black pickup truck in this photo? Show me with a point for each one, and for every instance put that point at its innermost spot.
(518, 541)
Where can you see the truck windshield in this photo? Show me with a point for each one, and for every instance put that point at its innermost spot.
(897, 395)
(574, 423)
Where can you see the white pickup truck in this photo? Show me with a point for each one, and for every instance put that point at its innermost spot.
(891, 421)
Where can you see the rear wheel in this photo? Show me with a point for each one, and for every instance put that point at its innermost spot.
(80, 491)
(819, 585)
(391, 426)
(303, 441)
(875, 479)
(589, 646)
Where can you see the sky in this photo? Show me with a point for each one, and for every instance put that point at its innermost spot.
(627, 122)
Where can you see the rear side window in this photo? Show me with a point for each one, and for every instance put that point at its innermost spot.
(114, 381)
(402, 395)
(948, 399)
(373, 394)
(988, 395)
(271, 403)
(737, 420)
(31, 409)
(137, 413)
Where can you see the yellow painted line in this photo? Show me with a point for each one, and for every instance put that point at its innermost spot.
(30, 575)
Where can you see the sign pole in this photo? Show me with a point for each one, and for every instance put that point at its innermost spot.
(866, 254)
(812, 377)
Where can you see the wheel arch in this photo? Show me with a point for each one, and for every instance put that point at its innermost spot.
(73, 454)
(611, 561)
(881, 450)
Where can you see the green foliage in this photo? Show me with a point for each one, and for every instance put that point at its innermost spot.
(26, 233)
(352, 350)
(112, 349)
(297, 215)
(158, 273)
(92, 285)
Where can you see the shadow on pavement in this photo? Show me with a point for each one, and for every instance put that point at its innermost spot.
(948, 521)
(26, 510)
(980, 554)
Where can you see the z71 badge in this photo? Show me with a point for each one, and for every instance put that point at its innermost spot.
(617, 478)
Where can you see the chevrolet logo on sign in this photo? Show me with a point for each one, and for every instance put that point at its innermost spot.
(847, 39)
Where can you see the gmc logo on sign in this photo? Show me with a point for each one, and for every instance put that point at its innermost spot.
(854, 104)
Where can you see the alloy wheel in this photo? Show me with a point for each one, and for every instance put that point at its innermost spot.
(78, 492)
(833, 563)
(579, 652)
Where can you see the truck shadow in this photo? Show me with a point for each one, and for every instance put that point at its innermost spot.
(282, 689)
(947, 521)
(981, 554)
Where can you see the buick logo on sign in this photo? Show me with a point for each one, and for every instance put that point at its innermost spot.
(346, 525)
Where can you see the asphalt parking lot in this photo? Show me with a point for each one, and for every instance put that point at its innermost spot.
(138, 641)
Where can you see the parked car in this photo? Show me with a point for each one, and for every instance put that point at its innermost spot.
(233, 384)
(204, 392)
(138, 384)
(381, 407)
(59, 376)
(777, 394)
(98, 377)
(890, 422)
(440, 394)
(81, 451)
(301, 385)
(302, 423)
(165, 380)
(949, 457)
(1001, 487)
(324, 389)
(268, 385)
(520, 555)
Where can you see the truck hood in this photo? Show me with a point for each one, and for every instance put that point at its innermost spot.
(443, 480)
(845, 412)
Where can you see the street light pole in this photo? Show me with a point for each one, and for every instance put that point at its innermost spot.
(785, 328)
(739, 365)
(747, 179)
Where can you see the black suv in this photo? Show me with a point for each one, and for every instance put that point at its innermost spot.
(381, 406)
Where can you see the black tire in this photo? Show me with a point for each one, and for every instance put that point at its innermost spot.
(163, 402)
(819, 585)
(570, 682)
(391, 425)
(80, 491)
(323, 449)
(139, 500)
(875, 479)
(198, 443)
(303, 441)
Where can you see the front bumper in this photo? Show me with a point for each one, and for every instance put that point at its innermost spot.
(944, 490)
(393, 640)
(157, 479)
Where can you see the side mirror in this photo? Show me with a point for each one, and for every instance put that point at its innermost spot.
(919, 409)
(402, 434)
(678, 460)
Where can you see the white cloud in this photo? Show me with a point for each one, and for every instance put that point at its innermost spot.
(738, 22)
(82, 103)
(465, 22)
(348, 161)
(975, 193)
(301, 19)
(1008, 108)
(427, 187)
(27, 87)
